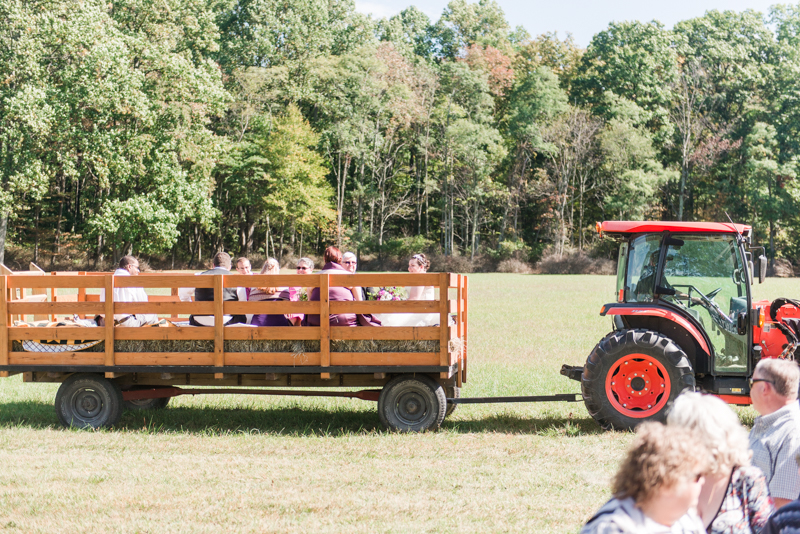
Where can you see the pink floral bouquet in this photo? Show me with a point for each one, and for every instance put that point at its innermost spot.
(388, 293)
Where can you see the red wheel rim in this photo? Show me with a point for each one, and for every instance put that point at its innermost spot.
(638, 385)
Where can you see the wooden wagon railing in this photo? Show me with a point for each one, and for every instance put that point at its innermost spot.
(451, 305)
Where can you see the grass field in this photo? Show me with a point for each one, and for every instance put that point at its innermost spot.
(252, 464)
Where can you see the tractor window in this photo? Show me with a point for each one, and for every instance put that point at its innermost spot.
(642, 268)
(706, 274)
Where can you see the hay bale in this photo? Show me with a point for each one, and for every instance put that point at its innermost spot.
(264, 345)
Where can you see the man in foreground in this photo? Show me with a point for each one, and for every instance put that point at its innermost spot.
(775, 438)
(129, 266)
(221, 265)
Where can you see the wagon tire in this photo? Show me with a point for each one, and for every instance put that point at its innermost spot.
(412, 403)
(633, 376)
(145, 404)
(88, 401)
(451, 392)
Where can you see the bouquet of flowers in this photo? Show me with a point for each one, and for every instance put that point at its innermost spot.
(388, 293)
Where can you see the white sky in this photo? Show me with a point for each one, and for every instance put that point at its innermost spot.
(583, 18)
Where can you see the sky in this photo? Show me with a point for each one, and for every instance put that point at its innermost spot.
(583, 18)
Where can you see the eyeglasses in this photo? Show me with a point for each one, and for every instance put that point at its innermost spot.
(134, 266)
(752, 381)
(349, 262)
(302, 268)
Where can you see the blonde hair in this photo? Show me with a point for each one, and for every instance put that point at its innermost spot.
(659, 457)
(271, 266)
(784, 375)
(716, 425)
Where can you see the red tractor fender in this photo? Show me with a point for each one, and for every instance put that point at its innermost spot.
(616, 309)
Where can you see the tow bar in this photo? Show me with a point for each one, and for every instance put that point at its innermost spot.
(365, 394)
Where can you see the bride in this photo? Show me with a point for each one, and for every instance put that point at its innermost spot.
(417, 264)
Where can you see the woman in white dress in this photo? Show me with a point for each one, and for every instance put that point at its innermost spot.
(417, 264)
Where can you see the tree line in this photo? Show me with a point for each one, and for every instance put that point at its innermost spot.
(176, 128)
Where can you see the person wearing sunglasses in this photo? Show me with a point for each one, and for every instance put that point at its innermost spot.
(350, 262)
(734, 498)
(657, 486)
(775, 437)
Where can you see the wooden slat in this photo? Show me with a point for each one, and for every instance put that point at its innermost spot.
(272, 280)
(57, 358)
(272, 332)
(161, 308)
(325, 324)
(384, 358)
(273, 358)
(19, 333)
(109, 317)
(28, 308)
(454, 280)
(165, 298)
(219, 326)
(385, 306)
(165, 358)
(459, 322)
(444, 356)
(5, 343)
(421, 333)
(270, 307)
(164, 280)
(383, 280)
(74, 281)
(171, 332)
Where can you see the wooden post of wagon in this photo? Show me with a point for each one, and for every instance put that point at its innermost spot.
(460, 326)
(219, 327)
(324, 324)
(4, 343)
(444, 323)
(109, 313)
(466, 330)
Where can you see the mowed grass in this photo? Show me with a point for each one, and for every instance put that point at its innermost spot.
(261, 464)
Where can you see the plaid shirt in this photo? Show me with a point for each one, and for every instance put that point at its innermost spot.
(775, 440)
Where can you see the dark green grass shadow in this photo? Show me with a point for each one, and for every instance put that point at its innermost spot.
(293, 421)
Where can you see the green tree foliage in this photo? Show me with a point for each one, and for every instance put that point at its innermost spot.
(183, 127)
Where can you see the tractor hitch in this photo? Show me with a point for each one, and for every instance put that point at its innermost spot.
(573, 372)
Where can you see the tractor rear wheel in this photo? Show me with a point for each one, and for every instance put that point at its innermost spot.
(633, 376)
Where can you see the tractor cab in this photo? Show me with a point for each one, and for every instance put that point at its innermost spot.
(684, 318)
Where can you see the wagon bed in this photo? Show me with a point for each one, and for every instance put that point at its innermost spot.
(150, 362)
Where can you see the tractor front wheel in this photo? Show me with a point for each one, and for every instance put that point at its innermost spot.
(633, 376)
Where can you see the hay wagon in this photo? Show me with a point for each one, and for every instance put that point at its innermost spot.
(410, 371)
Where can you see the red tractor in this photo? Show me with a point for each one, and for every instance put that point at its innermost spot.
(684, 319)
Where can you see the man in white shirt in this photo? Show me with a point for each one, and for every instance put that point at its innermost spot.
(775, 437)
(129, 266)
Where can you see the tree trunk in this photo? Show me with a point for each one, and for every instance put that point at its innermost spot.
(3, 229)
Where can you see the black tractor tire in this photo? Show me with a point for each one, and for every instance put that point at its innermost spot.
(633, 376)
(145, 404)
(88, 401)
(412, 403)
(451, 392)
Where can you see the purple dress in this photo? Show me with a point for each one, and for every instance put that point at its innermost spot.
(334, 294)
(279, 319)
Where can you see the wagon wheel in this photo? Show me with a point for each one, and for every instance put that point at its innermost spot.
(632, 376)
(145, 404)
(88, 401)
(412, 403)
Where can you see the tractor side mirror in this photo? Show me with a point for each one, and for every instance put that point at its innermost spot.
(762, 269)
(741, 323)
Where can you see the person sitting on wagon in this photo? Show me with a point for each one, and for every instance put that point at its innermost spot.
(129, 266)
(258, 294)
(350, 262)
(222, 265)
(333, 265)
